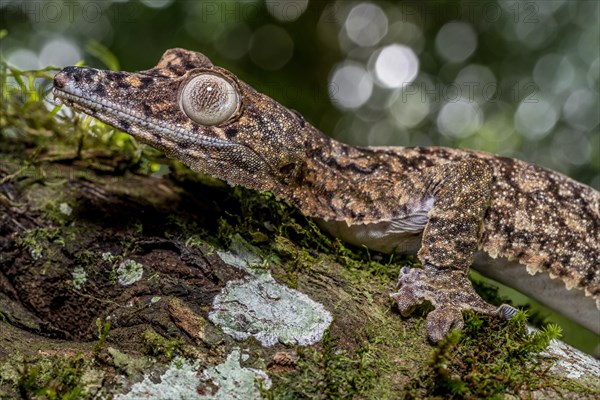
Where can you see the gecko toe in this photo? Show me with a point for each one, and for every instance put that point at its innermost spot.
(407, 300)
(410, 293)
(506, 311)
(441, 321)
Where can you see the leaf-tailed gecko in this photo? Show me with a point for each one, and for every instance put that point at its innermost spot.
(515, 222)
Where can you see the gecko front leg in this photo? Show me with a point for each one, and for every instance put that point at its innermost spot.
(461, 195)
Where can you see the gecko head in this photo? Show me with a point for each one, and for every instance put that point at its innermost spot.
(197, 113)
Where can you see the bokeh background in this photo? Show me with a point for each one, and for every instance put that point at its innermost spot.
(516, 78)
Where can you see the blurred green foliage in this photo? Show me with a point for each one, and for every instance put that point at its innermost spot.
(518, 78)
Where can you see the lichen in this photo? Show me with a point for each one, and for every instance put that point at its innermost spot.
(233, 381)
(129, 272)
(260, 307)
(182, 380)
(65, 209)
(269, 312)
(79, 277)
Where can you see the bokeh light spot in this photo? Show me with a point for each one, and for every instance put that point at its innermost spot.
(286, 10)
(460, 119)
(59, 52)
(157, 3)
(234, 43)
(396, 66)
(456, 41)
(23, 59)
(411, 107)
(571, 147)
(350, 86)
(581, 109)
(477, 83)
(534, 120)
(554, 72)
(366, 24)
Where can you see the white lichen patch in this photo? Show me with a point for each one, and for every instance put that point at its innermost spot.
(65, 209)
(233, 381)
(242, 255)
(36, 253)
(129, 272)
(270, 312)
(258, 306)
(182, 380)
(79, 277)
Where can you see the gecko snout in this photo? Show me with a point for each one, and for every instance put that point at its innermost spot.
(65, 75)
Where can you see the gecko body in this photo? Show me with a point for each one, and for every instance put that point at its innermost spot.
(516, 222)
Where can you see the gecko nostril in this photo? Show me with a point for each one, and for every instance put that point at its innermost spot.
(60, 80)
(63, 77)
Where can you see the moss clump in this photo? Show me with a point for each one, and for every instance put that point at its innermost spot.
(57, 377)
(36, 240)
(488, 358)
(158, 346)
(329, 373)
(103, 330)
(287, 233)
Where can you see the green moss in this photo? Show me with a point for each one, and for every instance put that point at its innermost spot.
(58, 211)
(36, 240)
(103, 330)
(488, 359)
(490, 293)
(265, 221)
(50, 378)
(158, 346)
(328, 373)
(387, 351)
(132, 366)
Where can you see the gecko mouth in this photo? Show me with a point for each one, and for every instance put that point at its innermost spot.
(147, 129)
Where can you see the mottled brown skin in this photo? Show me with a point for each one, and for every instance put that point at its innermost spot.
(455, 202)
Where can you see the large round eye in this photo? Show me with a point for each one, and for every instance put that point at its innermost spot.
(209, 99)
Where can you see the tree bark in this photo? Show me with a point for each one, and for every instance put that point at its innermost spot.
(110, 279)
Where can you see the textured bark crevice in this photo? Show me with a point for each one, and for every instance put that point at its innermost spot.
(83, 242)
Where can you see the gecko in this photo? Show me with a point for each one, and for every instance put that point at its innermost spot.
(531, 228)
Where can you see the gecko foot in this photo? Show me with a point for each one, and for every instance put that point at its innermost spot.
(449, 291)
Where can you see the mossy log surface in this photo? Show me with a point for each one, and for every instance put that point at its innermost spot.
(111, 263)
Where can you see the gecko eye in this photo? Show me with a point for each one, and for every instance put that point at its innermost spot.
(209, 99)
